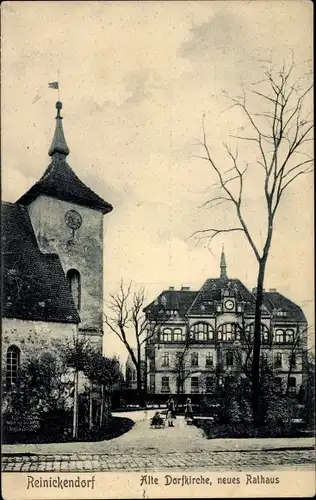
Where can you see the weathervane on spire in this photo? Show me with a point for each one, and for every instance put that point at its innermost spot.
(55, 85)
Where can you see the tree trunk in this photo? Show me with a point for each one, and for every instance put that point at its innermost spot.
(140, 392)
(255, 370)
(91, 406)
(75, 409)
(102, 406)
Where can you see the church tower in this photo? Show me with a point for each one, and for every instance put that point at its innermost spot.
(67, 218)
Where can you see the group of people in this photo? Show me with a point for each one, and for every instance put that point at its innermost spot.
(171, 412)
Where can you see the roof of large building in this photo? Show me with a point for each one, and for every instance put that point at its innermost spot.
(34, 284)
(204, 302)
(275, 301)
(60, 181)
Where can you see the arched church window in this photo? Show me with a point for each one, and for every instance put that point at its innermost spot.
(73, 278)
(13, 365)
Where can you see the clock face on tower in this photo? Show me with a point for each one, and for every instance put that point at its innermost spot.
(73, 219)
(229, 305)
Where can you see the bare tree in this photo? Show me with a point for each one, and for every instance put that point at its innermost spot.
(279, 132)
(181, 368)
(75, 355)
(105, 372)
(129, 323)
(294, 351)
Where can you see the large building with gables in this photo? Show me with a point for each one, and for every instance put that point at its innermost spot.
(206, 338)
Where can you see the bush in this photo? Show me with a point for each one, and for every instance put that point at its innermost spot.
(214, 430)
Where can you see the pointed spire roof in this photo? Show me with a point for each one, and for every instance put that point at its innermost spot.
(223, 264)
(59, 180)
(59, 145)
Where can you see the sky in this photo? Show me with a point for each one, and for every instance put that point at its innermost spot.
(136, 79)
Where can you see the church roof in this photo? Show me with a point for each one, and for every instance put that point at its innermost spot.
(59, 180)
(34, 284)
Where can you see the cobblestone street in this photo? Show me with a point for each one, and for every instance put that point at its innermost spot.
(225, 460)
(145, 449)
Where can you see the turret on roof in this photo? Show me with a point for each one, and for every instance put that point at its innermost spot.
(59, 180)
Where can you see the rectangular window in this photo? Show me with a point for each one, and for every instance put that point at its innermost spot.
(292, 385)
(229, 359)
(209, 361)
(210, 384)
(264, 358)
(165, 359)
(152, 382)
(278, 359)
(165, 384)
(194, 359)
(194, 384)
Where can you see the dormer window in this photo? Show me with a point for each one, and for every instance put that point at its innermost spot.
(281, 313)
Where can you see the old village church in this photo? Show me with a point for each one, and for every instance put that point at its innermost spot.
(52, 262)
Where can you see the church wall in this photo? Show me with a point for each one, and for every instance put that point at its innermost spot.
(82, 251)
(34, 337)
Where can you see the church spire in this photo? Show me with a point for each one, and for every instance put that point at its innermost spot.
(59, 146)
(223, 265)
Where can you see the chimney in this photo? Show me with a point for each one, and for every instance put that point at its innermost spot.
(185, 288)
(272, 289)
(171, 287)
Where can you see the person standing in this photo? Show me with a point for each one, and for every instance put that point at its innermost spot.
(170, 412)
(188, 411)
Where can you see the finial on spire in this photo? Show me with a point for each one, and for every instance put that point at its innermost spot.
(59, 106)
(223, 265)
(59, 146)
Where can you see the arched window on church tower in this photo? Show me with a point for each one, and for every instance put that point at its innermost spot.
(13, 365)
(73, 278)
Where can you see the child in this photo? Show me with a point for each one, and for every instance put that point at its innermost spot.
(170, 412)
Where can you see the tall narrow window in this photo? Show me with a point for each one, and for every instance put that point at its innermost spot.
(165, 359)
(278, 360)
(13, 365)
(210, 385)
(194, 384)
(165, 384)
(292, 385)
(209, 359)
(194, 359)
(229, 358)
(73, 278)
